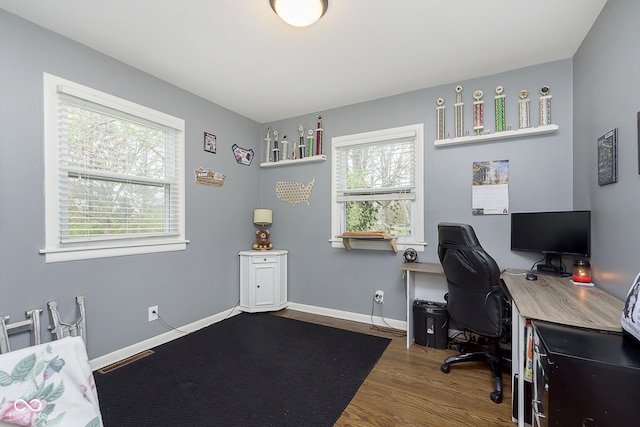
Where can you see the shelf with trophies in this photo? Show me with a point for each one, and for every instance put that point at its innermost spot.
(503, 130)
(308, 148)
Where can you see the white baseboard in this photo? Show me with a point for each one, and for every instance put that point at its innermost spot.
(347, 315)
(123, 353)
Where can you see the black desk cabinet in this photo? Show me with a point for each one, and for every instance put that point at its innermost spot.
(585, 377)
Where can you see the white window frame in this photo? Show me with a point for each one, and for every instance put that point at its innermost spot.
(416, 240)
(54, 250)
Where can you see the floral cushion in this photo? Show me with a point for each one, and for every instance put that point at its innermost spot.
(48, 384)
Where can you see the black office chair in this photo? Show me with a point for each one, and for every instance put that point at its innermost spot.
(475, 300)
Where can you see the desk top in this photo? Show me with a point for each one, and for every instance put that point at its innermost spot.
(422, 267)
(558, 300)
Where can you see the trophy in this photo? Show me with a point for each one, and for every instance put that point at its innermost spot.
(267, 148)
(301, 138)
(459, 112)
(545, 106)
(523, 108)
(301, 145)
(478, 115)
(285, 144)
(319, 136)
(276, 149)
(440, 123)
(310, 141)
(499, 102)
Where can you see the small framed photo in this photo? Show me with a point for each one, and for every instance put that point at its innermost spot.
(210, 142)
(608, 158)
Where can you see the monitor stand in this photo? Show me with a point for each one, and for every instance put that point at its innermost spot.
(549, 267)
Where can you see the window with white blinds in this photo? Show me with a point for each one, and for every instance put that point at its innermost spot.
(114, 175)
(377, 183)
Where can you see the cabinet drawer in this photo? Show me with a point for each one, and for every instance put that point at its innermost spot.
(264, 259)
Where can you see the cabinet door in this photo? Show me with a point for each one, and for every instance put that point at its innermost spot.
(265, 284)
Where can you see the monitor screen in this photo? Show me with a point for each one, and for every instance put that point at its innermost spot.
(559, 233)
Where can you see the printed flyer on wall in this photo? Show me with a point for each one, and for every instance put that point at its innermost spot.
(490, 192)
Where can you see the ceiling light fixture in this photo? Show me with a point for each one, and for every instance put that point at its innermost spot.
(299, 13)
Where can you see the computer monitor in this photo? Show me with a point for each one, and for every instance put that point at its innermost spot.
(553, 234)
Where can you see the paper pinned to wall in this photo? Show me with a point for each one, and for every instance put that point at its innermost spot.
(490, 192)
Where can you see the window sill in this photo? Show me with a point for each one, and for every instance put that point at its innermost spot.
(80, 253)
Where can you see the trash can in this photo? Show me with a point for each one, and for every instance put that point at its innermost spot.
(430, 323)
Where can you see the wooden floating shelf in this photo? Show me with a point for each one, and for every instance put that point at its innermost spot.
(310, 159)
(422, 267)
(346, 241)
(495, 136)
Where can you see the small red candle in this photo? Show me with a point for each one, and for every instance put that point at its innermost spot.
(581, 271)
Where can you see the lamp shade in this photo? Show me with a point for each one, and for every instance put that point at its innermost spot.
(262, 216)
(299, 13)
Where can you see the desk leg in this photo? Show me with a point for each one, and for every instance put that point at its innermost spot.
(411, 295)
(517, 350)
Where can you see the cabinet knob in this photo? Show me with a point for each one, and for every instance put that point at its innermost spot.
(258, 286)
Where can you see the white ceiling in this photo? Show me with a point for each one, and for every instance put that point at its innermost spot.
(240, 55)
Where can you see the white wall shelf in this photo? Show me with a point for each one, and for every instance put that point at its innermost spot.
(519, 133)
(310, 159)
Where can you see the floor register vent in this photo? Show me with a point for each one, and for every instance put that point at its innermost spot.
(123, 362)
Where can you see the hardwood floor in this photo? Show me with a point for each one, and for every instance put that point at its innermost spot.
(407, 388)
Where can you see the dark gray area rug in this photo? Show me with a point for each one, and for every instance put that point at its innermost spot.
(248, 370)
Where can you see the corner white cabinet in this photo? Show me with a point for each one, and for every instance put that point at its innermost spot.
(263, 280)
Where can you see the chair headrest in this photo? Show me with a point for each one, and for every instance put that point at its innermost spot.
(454, 234)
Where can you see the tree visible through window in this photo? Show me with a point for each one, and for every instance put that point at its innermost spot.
(114, 173)
(377, 183)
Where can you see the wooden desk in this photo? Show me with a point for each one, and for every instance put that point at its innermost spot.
(411, 268)
(555, 300)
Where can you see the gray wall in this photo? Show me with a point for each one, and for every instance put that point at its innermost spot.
(607, 96)
(540, 179)
(187, 286)
(203, 280)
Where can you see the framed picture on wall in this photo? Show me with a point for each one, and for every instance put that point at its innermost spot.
(210, 142)
(608, 158)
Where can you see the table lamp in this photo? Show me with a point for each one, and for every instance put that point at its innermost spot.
(262, 217)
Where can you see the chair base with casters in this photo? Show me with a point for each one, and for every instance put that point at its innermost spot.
(492, 356)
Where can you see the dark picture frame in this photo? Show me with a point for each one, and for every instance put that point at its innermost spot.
(210, 142)
(608, 158)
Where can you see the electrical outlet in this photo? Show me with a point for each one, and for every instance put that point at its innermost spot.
(379, 297)
(153, 313)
